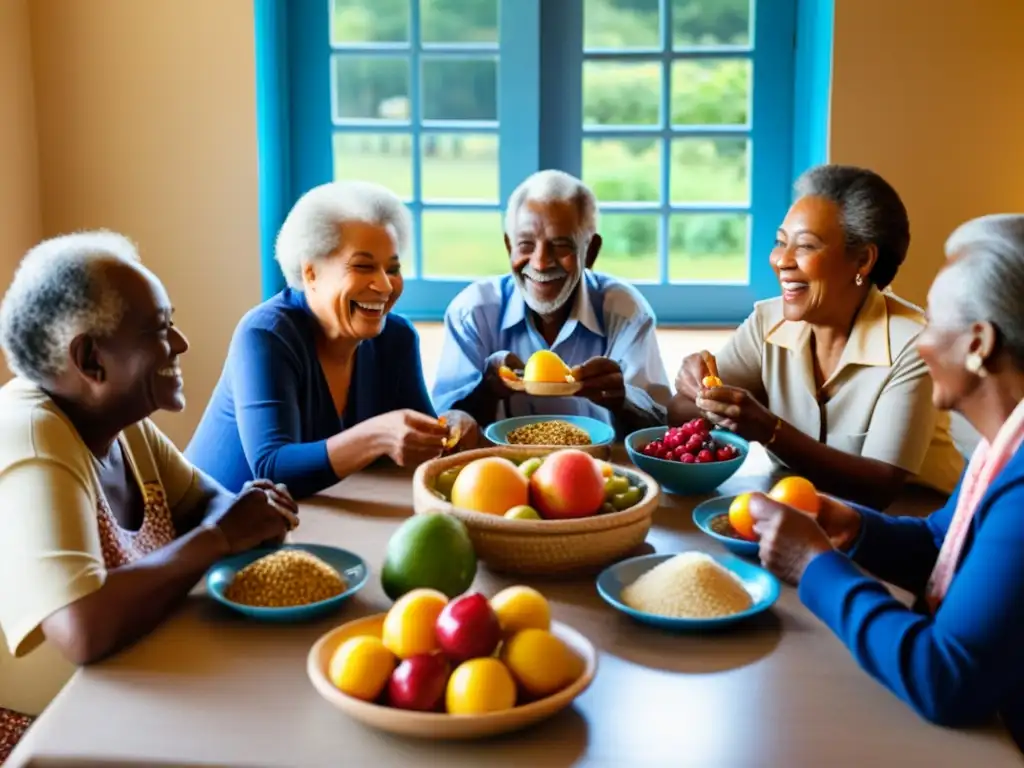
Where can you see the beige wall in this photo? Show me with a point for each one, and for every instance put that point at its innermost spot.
(929, 94)
(146, 124)
(20, 225)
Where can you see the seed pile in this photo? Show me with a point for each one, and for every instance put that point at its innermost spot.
(720, 524)
(691, 585)
(283, 579)
(548, 433)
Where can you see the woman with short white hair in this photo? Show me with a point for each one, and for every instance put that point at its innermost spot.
(322, 379)
(955, 657)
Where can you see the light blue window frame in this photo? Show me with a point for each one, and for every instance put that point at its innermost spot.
(540, 52)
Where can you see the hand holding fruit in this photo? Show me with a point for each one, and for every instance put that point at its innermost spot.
(789, 539)
(840, 522)
(738, 411)
(463, 432)
(409, 437)
(498, 368)
(692, 372)
(602, 382)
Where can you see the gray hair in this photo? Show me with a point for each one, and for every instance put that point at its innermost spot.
(310, 232)
(987, 277)
(60, 291)
(554, 186)
(872, 213)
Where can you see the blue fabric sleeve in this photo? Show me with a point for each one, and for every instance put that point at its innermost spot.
(461, 368)
(264, 379)
(954, 668)
(412, 386)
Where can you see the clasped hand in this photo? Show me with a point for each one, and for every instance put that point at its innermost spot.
(262, 513)
(602, 382)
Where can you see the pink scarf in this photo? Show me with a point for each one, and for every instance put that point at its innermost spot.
(986, 463)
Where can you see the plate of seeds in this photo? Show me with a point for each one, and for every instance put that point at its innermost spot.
(551, 431)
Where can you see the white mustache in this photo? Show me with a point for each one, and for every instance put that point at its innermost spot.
(546, 276)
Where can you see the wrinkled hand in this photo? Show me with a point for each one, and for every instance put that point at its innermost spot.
(262, 513)
(691, 373)
(410, 437)
(789, 539)
(463, 429)
(840, 522)
(602, 382)
(494, 363)
(738, 411)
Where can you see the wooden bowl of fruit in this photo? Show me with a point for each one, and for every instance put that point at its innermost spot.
(691, 459)
(466, 668)
(540, 511)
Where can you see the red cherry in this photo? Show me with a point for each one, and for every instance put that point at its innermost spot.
(725, 453)
(694, 444)
(687, 458)
(672, 441)
(705, 457)
(679, 452)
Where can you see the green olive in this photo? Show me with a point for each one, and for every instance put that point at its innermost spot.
(445, 481)
(629, 498)
(530, 466)
(606, 508)
(614, 485)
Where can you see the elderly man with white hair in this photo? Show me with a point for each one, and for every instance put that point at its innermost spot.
(322, 379)
(104, 526)
(552, 299)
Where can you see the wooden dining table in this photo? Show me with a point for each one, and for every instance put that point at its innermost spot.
(210, 687)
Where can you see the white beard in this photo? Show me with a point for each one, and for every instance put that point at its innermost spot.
(547, 307)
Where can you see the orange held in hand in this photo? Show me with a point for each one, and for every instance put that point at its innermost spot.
(740, 518)
(710, 382)
(798, 493)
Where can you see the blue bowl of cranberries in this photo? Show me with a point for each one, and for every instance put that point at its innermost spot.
(691, 459)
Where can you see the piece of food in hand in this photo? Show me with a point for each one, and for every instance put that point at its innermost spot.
(454, 434)
(711, 364)
(507, 373)
(547, 367)
(797, 492)
(710, 382)
(740, 518)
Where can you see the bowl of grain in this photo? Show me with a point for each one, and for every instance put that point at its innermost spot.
(712, 517)
(689, 591)
(290, 583)
(540, 547)
(593, 436)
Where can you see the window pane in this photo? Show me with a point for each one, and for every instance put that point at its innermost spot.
(630, 245)
(459, 21)
(371, 88)
(460, 166)
(460, 88)
(633, 24)
(385, 158)
(623, 170)
(708, 247)
(710, 171)
(698, 23)
(617, 93)
(369, 21)
(711, 92)
(463, 244)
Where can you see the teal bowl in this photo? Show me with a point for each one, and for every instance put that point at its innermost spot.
(763, 587)
(351, 567)
(686, 479)
(707, 511)
(600, 432)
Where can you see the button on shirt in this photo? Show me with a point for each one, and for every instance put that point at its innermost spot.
(608, 319)
(878, 402)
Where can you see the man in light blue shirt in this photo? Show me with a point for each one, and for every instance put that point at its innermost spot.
(601, 327)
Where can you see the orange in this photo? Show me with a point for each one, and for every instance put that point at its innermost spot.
(521, 608)
(545, 365)
(409, 625)
(491, 484)
(540, 662)
(361, 666)
(479, 686)
(797, 493)
(740, 518)
(710, 382)
(607, 470)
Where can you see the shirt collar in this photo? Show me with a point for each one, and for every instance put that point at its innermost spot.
(868, 343)
(582, 307)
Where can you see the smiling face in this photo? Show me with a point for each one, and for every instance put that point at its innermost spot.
(548, 253)
(816, 273)
(352, 290)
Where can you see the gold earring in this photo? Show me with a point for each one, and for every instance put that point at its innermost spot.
(859, 280)
(974, 364)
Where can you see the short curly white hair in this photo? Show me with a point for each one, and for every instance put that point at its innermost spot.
(59, 291)
(554, 186)
(310, 232)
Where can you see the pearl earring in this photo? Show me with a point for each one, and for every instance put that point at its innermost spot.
(859, 280)
(974, 364)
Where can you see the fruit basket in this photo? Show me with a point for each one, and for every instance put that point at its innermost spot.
(541, 547)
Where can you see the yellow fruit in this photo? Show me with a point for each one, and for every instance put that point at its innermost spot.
(361, 666)
(606, 469)
(521, 608)
(409, 626)
(490, 484)
(540, 662)
(544, 365)
(478, 686)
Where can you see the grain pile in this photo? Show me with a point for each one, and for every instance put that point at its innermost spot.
(283, 579)
(555, 432)
(691, 585)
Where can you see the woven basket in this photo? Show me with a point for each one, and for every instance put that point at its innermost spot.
(541, 547)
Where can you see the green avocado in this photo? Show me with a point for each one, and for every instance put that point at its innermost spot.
(431, 550)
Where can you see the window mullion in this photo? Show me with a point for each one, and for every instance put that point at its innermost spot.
(416, 117)
(665, 221)
(519, 84)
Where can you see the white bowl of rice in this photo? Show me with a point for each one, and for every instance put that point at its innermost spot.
(689, 590)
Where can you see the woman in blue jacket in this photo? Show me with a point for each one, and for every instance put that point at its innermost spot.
(321, 379)
(957, 656)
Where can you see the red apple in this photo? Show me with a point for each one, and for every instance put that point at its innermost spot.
(419, 683)
(468, 628)
(567, 485)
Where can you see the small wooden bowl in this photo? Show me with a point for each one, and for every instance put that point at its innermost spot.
(545, 388)
(541, 547)
(431, 725)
